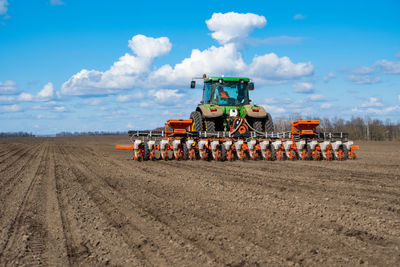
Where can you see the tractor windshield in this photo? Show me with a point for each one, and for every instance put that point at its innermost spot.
(229, 94)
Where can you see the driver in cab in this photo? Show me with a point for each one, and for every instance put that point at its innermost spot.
(222, 96)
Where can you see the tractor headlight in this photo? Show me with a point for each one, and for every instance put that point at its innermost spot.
(233, 112)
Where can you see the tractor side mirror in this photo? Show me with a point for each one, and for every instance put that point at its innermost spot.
(251, 86)
(193, 84)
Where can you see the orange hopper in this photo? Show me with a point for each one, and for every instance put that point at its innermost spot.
(304, 127)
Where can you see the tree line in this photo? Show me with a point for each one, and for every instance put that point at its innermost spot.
(358, 128)
(89, 133)
(16, 134)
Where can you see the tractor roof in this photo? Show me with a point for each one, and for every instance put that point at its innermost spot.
(226, 79)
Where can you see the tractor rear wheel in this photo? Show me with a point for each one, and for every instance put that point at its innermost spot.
(210, 126)
(197, 125)
(258, 125)
(269, 124)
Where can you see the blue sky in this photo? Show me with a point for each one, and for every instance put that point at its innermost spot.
(116, 65)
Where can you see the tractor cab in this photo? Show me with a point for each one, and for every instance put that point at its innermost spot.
(226, 91)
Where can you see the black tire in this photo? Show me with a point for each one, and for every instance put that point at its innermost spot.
(185, 152)
(223, 153)
(346, 152)
(146, 151)
(197, 120)
(273, 155)
(258, 125)
(210, 126)
(269, 124)
(309, 152)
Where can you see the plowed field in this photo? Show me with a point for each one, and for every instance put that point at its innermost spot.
(78, 201)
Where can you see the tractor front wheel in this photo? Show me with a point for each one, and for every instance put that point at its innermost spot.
(197, 125)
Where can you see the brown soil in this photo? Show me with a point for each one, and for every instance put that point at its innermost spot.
(78, 201)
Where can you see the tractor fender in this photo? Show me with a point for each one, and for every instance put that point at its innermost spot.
(208, 113)
(261, 113)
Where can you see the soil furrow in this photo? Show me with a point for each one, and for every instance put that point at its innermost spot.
(87, 235)
(56, 247)
(16, 175)
(26, 234)
(164, 207)
(169, 245)
(10, 152)
(21, 153)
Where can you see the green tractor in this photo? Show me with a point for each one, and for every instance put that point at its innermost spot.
(224, 100)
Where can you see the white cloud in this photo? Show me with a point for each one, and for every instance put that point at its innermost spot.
(6, 99)
(374, 106)
(8, 88)
(56, 2)
(92, 102)
(162, 98)
(128, 98)
(326, 105)
(144, 104)
(364, 70)
(272, 67)
(275, 40)
(298, 17)
(11, 108)
(45, 94)
(150, 47)
(123, 74)
(215, 60)
(3, 7)
(277, 106)
(125, 98)
(166, 96)
(388, 67)
(51, 105)
(380, 66)
(25, 97)
(280, 101)
(372, 102)
(274, 109)
(136, 71)
(377, 111)
(234, 27)
(47, 116)
(327, 78)
(60, 108)
(303, 87)
(363, 79)
(317, 98)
